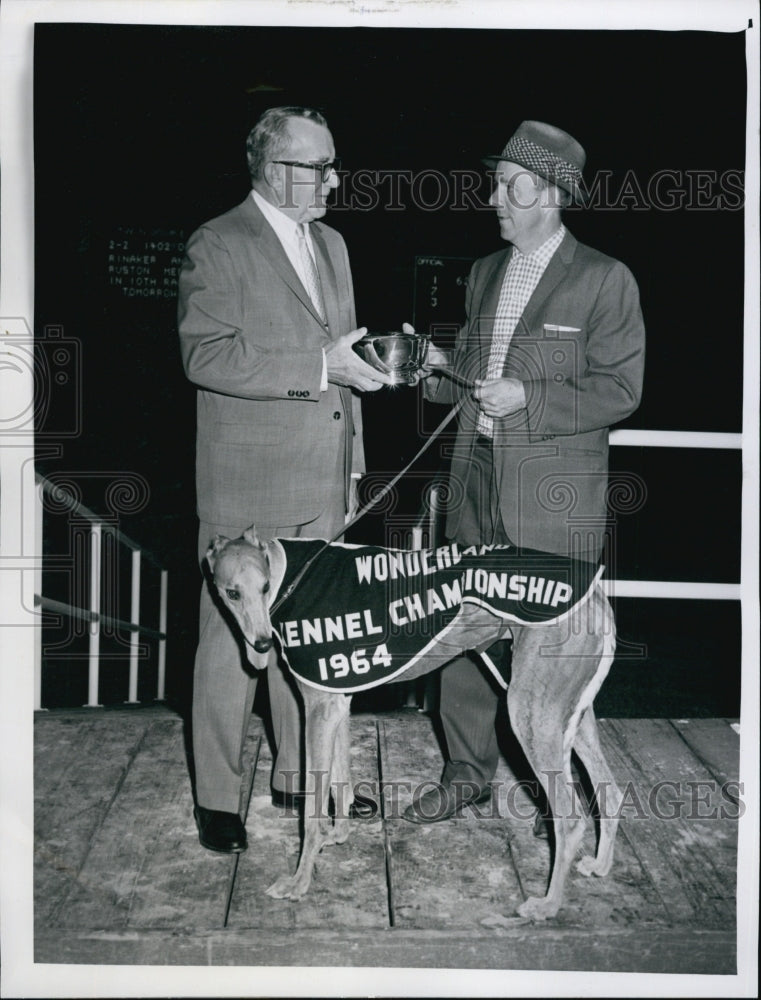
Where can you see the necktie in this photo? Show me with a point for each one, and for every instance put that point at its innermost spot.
(310, 271)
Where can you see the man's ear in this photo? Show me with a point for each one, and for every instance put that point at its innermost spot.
(271, 174)
(216, 546)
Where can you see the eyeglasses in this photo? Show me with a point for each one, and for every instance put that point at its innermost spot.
(325, 168)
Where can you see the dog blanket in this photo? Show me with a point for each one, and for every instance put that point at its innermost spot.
(362, 614)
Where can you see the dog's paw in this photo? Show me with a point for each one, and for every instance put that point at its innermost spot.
(289, 887)
(537, 908)
(589, 865)
(340, 832)
(586, 866)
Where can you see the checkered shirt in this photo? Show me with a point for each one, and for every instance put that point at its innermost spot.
(521, 278)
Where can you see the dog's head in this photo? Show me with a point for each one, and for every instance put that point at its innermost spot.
(241, 571)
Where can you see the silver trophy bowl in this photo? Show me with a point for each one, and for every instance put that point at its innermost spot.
(400, 355)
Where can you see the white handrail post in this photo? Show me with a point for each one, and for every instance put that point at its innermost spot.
(433, 516)
(94, 653)
(162, 628)
(134, 636)
(38, 513)
(416, 543)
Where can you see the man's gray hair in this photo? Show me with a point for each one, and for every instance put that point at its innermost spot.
(269, 138)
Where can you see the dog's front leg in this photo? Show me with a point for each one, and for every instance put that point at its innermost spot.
(324, 714)
(341, 784)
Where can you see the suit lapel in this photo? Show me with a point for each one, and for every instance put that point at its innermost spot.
(328, 282)
(267, 245)
(553, 275)
(329, 285)
(493, 281)
(487, 310)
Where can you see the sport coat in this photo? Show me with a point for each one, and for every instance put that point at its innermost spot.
(252, 342)
(579, 349)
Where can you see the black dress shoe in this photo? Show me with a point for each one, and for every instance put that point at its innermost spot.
(361, 807)
(287, 800)
(220, 831)
(444, 801)
(540, 830)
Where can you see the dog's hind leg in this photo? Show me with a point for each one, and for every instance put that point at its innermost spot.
(587, 746)
(324, 714)
(553, 669)
(544, 742)
(608, 796)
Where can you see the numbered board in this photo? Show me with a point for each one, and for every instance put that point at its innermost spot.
(439, 296)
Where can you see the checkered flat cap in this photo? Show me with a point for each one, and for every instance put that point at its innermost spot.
(547, 151)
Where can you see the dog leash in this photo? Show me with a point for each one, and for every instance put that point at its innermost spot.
(376, 499)
(234, 868)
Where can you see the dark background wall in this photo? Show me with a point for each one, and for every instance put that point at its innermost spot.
(140, 136)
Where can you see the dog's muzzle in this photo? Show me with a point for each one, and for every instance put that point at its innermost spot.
(263, 645)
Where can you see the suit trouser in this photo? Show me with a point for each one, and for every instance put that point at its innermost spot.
(469, 698)
(224, 684)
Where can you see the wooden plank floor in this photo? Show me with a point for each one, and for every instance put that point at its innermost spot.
(120, 876)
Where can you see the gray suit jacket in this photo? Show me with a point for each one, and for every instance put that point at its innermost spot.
(252, 342)
(579, 349)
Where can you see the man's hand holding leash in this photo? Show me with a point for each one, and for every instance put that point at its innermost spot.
(499, 397)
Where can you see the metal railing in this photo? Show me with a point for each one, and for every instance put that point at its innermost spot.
(674, 589)
(98, 527)
(423, 533)
(427, 526)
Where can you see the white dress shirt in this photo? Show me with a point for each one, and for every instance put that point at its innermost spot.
(287, 231)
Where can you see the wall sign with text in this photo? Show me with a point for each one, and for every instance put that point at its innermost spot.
(144, 263)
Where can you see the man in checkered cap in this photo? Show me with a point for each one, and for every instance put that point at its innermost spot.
(555, 344)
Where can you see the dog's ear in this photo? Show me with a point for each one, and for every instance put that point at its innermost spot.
(218, 542)
(252, 538)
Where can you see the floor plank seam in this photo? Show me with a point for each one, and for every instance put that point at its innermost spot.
(511, 842)
(551, 928)
(716, 777)
(93, 836)
(645, 778)
(676, 874)
(387, 846)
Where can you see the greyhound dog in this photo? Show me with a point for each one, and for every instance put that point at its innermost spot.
(557, 669)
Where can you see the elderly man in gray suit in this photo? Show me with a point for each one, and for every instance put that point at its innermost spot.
(267, 324)
(555, 344)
